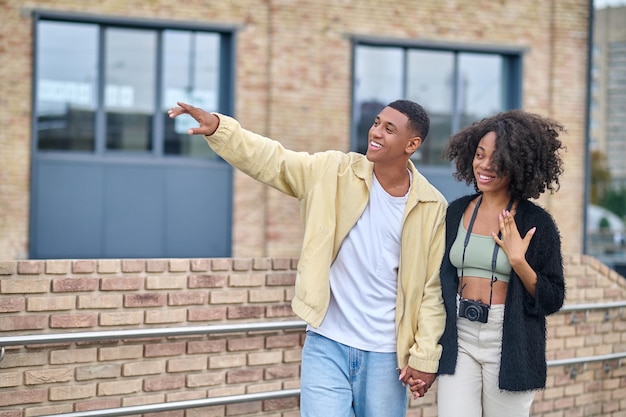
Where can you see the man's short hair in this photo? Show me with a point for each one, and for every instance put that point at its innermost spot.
(419, 121)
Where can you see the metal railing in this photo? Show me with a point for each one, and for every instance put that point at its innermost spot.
(182, 405)
(213, 329)
(592, 306)
(161, 332)
(587, 359)
(235, 328)
(573, 308)
(146, 333)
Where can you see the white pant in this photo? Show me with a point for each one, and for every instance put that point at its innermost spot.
(473, 389)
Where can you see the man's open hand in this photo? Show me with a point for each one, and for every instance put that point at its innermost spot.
(208, 122)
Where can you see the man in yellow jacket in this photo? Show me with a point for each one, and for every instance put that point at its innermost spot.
(368, 275)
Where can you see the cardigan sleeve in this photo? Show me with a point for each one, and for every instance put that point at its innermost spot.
(545, 257)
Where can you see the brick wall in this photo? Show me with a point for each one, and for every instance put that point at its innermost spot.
(294, 83)
(592, 389)
(38, 297)
(45, 297)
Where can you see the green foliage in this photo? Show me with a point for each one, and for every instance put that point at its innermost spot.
(615, 201)
(600, 178)
(604, 224)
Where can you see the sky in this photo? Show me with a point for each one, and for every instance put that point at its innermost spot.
(601, 4)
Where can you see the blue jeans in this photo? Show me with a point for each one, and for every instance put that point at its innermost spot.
(340, 381)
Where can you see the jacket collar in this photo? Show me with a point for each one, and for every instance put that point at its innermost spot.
(421, 189)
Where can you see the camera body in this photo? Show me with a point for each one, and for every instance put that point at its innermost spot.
(473, 310)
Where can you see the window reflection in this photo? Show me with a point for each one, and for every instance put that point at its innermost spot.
(66, 86)
(378, 81)
(190, 74)
(456, 88)
(130, 74)
(480, 88)
(430, 79)
(104, 88)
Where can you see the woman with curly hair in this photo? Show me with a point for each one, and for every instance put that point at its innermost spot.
(502, 271)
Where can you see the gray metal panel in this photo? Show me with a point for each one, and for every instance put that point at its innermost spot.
(134, 212)
(129, 209)
(68, 217)
(203, 221)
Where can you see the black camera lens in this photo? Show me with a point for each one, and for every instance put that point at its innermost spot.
(472, 312)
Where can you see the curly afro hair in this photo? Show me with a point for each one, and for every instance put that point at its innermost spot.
(527, 151)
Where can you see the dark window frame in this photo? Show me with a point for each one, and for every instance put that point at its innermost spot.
(226, 83)
(512, 57)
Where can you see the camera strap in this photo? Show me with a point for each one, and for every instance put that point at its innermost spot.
(496, 247)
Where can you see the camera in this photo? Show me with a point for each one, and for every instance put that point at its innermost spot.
(473, 310)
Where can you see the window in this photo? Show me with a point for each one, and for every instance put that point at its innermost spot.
(129, 88)
(67, 67)
(112, 175)
(191, 72)
(456, 87)
(103, 87)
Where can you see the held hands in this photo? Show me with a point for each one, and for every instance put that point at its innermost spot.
(208, 122)
(419, 382)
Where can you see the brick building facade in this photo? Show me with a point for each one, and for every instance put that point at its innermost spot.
(293, 82)
(55, 297)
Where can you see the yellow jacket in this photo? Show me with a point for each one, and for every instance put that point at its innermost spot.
(333, 189)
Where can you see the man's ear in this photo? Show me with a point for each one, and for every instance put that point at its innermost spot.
(413, 144)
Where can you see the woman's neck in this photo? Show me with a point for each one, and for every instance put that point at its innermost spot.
(495, 201)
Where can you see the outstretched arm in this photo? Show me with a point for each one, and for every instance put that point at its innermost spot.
(262, 158)
(208, 122)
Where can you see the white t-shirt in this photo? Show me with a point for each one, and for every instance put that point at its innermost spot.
(364, 277)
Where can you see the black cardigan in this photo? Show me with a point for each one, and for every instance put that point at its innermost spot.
(523, 362)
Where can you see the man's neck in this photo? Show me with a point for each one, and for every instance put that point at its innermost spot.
(394, 180)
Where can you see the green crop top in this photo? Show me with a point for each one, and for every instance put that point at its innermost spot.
(478, 255)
